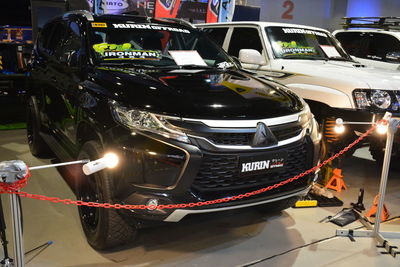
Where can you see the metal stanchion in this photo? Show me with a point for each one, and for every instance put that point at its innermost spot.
(13, 171)
(374, 232)
(17, 231)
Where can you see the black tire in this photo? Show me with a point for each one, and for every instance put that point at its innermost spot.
(104, 228)
(277, 206)
(37, 145)
(377, 151)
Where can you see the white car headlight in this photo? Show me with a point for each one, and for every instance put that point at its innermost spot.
(146, 121)
(376, 99)
(381, 99)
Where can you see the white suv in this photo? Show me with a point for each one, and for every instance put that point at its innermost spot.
(311, 62)
(373, 41)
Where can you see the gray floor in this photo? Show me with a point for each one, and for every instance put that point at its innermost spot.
(226, 239)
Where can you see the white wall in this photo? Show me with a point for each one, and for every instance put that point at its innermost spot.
(308, 12)
(323, 13)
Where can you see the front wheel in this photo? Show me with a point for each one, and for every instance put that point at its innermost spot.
(377, 150)
(104, 228)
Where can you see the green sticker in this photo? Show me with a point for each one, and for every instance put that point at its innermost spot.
(291, 48)
(124, 51)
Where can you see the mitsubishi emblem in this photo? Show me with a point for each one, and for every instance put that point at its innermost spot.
(263, 136)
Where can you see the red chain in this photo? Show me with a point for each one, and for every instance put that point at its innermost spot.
(14, 189)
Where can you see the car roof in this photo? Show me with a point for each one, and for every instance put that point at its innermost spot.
(391, 32)
(262, 24)
(88, 16)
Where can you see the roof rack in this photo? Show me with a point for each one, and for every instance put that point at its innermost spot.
(88, 15)
(385, 23)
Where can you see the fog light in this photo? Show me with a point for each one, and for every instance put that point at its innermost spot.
(339, 127)
(382, 128)
(153, 203)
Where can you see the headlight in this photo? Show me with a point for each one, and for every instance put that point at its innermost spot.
(308, 121)
(146, 121)
(381, 99)
(378, 99)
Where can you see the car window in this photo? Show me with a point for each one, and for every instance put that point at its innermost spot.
(70, 44)
(304, 44)
(244, 38)
(44, 38)
(56, 38)
(353, 43)
(381, 44)
(217, 34)
(154, 44)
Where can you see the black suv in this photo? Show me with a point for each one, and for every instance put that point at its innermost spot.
(187, 123)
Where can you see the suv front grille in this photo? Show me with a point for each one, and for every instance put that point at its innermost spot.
(244, 139)
(221, 172)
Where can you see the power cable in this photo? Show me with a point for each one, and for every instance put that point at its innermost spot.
(305, 245)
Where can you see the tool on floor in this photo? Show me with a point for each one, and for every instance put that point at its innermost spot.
(336, 182)
(372, 211)
(359, 206)
(305, 203)
(343, 217)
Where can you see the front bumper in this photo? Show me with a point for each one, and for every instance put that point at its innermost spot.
(179, 214)
(172, 173)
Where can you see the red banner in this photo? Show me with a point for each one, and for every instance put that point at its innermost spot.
(213, 11)
(166, 8)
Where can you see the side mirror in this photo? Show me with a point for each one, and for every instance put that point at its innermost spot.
(70, 61)
(251, 56)
(393, 57)
(69, 58)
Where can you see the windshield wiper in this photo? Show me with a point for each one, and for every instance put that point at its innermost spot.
(188, 67)
(338, 58)
(126, 64)
(303, 57)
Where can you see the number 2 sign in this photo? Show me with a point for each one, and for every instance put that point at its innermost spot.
(289, 6)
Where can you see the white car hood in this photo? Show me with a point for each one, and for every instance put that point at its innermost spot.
(343, 76)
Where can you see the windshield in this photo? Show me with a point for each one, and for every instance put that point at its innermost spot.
(155, 45)
(298, 43)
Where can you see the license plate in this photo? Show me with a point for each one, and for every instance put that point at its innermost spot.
(263, 163)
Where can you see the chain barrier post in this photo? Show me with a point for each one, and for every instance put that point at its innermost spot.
(17, 231)
(392, 129)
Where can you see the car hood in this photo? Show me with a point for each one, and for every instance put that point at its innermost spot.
(343, 76)
(207, 94)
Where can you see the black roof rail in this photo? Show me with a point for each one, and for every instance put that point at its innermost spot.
(179, 21)
(88, 15)
(385, 23)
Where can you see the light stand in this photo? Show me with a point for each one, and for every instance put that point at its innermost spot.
(373, 231)
(11, 172)
(7, 261)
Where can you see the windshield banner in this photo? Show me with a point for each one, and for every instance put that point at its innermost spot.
(303, 31)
